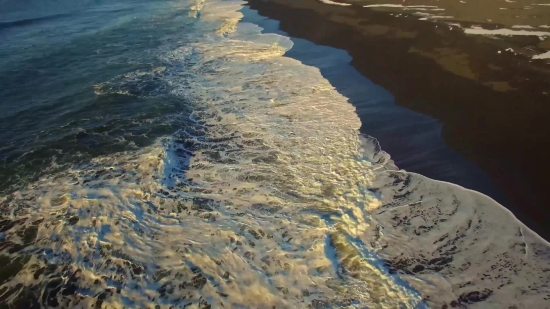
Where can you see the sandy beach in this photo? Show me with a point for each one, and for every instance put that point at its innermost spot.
(278, 154)
(489, 91)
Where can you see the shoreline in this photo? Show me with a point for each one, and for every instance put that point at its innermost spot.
(491, 108)
(412, 139)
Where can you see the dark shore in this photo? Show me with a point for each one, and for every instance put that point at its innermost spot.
(493, 106)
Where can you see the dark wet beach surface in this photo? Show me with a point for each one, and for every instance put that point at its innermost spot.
(490, 104)
(174, 153)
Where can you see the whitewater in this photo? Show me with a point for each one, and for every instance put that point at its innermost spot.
(266, 196)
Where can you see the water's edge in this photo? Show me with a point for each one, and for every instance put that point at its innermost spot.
(265, 195)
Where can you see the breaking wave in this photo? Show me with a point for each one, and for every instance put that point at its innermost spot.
(266, 196)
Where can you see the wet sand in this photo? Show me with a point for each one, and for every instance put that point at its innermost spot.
(508, 13)
(492, 102)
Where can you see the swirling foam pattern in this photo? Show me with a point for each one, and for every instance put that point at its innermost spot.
(267, 197)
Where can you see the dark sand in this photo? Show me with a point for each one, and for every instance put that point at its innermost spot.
(494, 107)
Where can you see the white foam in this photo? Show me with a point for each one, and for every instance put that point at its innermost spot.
(545, 55)
(447, 236)
(431, 16)
(267, 196)
(454, 24)
(335, 3)
(522, 27)
(230, 209)
(504, 31)
(398, 6)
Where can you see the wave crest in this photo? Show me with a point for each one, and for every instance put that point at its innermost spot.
(266, 197)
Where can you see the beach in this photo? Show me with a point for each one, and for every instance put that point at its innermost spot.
(198, 154)
(487, 92)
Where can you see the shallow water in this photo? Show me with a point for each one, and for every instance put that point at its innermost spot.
(165, 154)
(520, 14)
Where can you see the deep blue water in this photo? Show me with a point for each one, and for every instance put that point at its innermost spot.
(52, 57)
(173, 153)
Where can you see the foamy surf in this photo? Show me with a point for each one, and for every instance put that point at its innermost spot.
(506, 32)
(268, 196)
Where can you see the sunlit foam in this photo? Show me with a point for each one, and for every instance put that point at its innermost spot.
(270, 197)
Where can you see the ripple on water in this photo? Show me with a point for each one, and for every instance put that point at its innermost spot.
(268, 197)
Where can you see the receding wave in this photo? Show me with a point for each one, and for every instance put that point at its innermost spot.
(268, 196)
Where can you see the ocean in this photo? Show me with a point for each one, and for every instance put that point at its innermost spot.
(167, 154)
